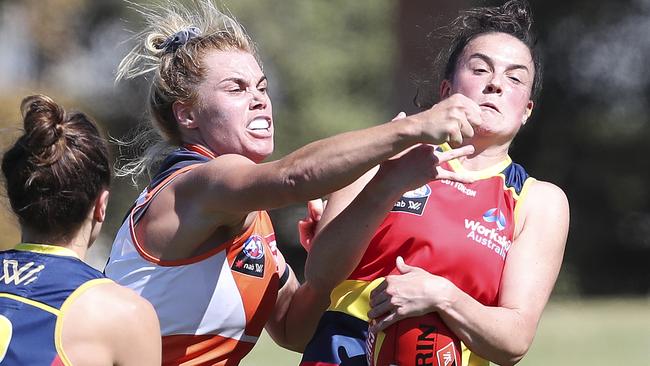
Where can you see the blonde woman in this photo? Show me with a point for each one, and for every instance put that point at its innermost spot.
(198, 243)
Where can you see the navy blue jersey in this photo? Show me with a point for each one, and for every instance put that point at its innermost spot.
(37, 284)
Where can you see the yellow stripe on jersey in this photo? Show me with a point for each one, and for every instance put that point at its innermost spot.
(58, 331)
(471, 359)
(353, 297)
(46, 249)
(31, 302)
(478, 174)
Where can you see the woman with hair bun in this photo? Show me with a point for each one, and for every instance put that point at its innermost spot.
(54, 308)
(451, 262)
(198, 243)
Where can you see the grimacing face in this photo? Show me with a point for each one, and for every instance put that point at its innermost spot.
(233, 114)
(496, 70)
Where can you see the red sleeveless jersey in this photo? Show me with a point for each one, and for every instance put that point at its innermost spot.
(459, 231)
(462, 232)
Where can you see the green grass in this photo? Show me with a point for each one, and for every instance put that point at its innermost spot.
(590, 333)
(593, 333)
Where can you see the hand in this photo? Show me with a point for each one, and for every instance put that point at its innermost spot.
(411, 293)
(418, 166)
(307, 226)
(451, 120)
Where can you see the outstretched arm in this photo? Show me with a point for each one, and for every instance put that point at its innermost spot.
(350, 232)
(503, 333)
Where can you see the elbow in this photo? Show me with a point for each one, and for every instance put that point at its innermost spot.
(515, 354)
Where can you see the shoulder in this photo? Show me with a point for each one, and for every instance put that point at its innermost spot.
(545, 194)
(545, 204)
(111, 306)
(109, 322)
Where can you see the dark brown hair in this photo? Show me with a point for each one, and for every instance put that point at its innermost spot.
(513, 17)
(56, 169)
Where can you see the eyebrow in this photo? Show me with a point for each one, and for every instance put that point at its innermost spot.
(239, 80)
(488, 60)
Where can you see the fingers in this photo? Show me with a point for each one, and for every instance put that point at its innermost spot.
(400, 115)
(455, 176)
(315, 209)
(402, 267)
(385, 322)
(454, 153)
(306, 233)
(380, 309)
(379, 289)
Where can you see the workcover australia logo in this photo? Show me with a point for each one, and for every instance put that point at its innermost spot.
(484, 233)
(250, 260)
(413, 201)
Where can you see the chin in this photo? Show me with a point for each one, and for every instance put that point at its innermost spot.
(260, 156)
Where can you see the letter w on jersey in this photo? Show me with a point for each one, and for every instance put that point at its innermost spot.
(17, 275)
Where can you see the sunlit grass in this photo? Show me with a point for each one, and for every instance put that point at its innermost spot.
(593, 333)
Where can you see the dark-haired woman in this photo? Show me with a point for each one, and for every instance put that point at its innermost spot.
(484, 256)
(54, 308)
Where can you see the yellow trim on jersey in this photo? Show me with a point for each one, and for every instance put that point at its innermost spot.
(477, 174)
(58, 331)
(33, 303)
(381, 336)
(521, 197)
(46, 249)
(353, 297)
(471, 359)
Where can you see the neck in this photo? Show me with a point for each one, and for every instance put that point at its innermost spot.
(485, 155)
(78, 243)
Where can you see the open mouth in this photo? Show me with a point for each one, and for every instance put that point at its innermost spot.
(259, 124)
(491, 106)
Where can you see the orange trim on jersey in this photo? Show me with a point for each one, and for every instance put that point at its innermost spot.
(182, 262)
(189, 350)
(149, 196)
(199, 149)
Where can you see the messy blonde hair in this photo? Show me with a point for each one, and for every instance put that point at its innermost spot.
(175, 71)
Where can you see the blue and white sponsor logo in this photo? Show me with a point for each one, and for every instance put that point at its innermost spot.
(414, 201)
(495, 215)
(423, 191)
(254, 248)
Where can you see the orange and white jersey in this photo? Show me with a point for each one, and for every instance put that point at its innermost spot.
(213, 307)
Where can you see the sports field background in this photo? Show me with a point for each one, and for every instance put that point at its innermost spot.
(571, 333)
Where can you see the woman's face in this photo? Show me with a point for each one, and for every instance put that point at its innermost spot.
(233, 113)
(496, 70)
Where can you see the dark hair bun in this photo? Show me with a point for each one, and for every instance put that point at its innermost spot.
(55, 170)
(44, 123)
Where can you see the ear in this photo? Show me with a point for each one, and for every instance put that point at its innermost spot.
(184, 114)
(529, 111)
(445, 89)
(99, 212)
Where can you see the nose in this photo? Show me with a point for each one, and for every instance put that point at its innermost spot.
(259, 99)
(494, 86)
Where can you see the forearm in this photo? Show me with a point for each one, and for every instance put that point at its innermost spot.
(303, 314)
(327, 165)
(339, 246)
(499, 334)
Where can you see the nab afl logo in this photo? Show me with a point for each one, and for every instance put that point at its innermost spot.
(495, 215)
(414, 201)
(253, 248)
(250, 260)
